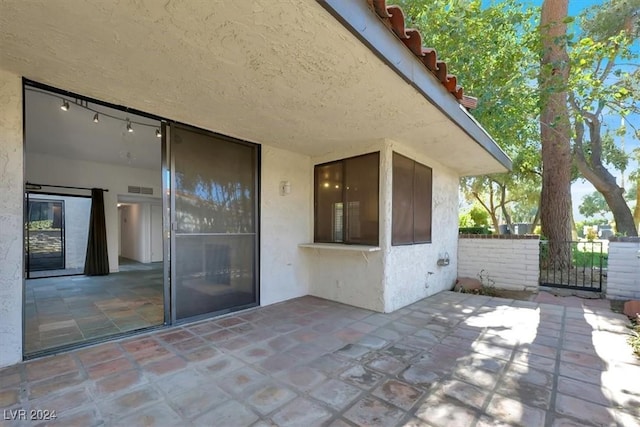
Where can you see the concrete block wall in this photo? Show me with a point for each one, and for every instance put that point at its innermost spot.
(510, 261)
(623, 273)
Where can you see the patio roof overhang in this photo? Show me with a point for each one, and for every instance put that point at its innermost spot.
(288, 73)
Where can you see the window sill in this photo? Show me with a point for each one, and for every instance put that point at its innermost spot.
(340, 247)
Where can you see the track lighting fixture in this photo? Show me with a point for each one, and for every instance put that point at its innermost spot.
(98, 115)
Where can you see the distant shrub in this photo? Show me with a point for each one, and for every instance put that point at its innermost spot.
(474, 230)
(46, 224)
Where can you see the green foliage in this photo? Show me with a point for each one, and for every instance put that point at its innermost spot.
(479, 216)
(585, 259)
(45, 224)
(593, 204)
(592, 234)
(634, 339)
(465, 220)
(493, 53)
(474, 230)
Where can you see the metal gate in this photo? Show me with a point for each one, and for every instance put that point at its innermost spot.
(573, 265)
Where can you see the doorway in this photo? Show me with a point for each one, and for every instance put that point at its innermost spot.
(181, 219)
(214, 221)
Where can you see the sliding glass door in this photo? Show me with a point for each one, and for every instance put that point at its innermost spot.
(214, 223)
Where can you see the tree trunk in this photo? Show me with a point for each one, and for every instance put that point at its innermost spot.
(606, 184)
(595, 172)
(555, 132)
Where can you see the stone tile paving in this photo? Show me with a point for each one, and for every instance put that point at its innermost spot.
(448, 360)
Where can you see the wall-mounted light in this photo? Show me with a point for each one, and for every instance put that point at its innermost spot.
(285, 188)
(96, 118)
(158, 133)
(129, 128)
(65, 105)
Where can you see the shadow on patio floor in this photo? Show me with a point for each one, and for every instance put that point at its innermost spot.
(448, 360)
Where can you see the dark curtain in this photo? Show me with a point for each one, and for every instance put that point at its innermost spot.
(97, 261)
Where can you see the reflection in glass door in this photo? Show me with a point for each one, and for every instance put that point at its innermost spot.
(45, 235)
(214, 223)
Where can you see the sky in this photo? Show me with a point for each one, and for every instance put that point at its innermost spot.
(582, 187)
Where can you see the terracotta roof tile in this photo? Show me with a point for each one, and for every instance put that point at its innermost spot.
(393, 18)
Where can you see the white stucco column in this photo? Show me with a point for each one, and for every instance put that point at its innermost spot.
(11, 199)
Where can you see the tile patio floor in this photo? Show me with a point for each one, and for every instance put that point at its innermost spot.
(448, 360)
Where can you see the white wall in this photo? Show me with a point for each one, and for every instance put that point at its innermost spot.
(412, 272)
(285, 222)
(512, 263)
(135, 228)
(623, 279)
(47, 169)
(11, 218)
(157, 253)
(354, 278)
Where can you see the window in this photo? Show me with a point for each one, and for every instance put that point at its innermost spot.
(346, 201)
(411, 201)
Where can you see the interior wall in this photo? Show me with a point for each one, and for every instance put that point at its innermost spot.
(11, 218)
(411, 271)
(135, 228)
(157, 253)
(285, 222)
(47, 169)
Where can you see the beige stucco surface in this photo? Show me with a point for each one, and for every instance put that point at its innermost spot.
(283, 73)
(11, 163)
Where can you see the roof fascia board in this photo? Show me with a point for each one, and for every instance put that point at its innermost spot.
(356, 16)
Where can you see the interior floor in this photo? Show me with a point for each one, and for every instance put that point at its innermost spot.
(66, 310)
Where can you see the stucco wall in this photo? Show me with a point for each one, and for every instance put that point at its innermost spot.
(284, 223)
(47, 169)
(412, 272)
(508, 262)
(350, 277)
(623, 280)
(11, 218)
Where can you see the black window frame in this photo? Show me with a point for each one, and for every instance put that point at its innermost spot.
(344, 199)
(396, 238)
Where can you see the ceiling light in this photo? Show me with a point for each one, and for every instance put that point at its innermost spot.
(65, 105)
(158, 133)
(96, 118)
(129, 128)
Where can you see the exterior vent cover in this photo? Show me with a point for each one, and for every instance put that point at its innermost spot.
(140, 190)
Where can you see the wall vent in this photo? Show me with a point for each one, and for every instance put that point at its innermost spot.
(140, 190)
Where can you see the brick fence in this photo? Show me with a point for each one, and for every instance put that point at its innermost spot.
(623, 275)
(505, 261)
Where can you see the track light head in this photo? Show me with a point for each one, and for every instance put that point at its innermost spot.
(65, 105)
(96, 118)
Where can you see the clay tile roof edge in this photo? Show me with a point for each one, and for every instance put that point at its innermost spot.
(393, 18)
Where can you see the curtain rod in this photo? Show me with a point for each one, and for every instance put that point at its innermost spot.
(39, 186)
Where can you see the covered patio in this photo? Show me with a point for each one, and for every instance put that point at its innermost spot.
(448, 360)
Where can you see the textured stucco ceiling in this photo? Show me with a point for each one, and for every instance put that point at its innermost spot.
(284, 73)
